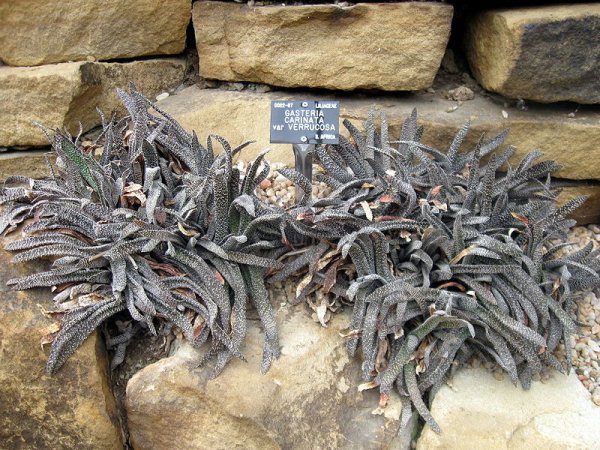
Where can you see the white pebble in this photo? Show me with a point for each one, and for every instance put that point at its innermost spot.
(596, 396)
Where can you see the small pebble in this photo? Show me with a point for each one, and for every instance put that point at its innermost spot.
(596, 396)
(162, 96)
(461, 93)
(521, 105)
(236, 86)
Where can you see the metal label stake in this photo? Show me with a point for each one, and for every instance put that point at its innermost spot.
(303, 157)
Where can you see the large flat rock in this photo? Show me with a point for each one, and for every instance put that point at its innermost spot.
(479, 412)
(62, 95)
(31, 163)
(546, 54)
(241, 116)
(72, 409)
(43, 32)
(388, 46)
(309, 398)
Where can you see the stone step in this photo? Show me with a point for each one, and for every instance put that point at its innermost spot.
(476, 411)
(43, 32)
(388, 46)
(547, 54)
(28, 163)
(73, 408)
(62, 95)
(241, 116)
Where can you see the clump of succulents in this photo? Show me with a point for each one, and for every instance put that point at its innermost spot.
(441, 255)
(155, 224)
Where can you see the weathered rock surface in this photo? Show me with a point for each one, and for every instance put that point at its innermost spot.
(590, 211)
(480, 412)
(44, 32)
(393, 47)
(241, 116)
(546, 54)
(72, 409)
(309, 398)
(31, 163)
(62, 95)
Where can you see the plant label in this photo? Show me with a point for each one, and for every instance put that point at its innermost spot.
(305, 122)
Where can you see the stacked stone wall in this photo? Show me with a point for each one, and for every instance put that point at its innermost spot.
(215, 66)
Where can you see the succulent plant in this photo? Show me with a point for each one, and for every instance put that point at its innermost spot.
(442, 255)
(155, 224)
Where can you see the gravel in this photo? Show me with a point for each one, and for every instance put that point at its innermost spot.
(278, 190)
(586, 344)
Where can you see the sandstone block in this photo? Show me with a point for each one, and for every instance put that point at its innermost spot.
(31, 163)
(547, 54)
(393, 47)
(43, 32)
(241, 116)
(481, 412)
(72, 409)
(62, 95)
(308, 399)
(590, 211)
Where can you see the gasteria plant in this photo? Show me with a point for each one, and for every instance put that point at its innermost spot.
(440, 254)
(443, 255)
(156, 225)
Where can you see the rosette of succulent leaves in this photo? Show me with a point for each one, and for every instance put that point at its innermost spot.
(441, 254)
(153, 223)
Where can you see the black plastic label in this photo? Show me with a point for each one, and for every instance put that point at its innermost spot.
(305, 122)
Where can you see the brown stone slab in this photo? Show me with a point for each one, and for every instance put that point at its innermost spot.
(63, 95)
(29, 163)
(308, 399)
(479, 412)
(71, 409)
(240, 116)
(388, 46)
(547, 54)
(589, 212)
(44, 32)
